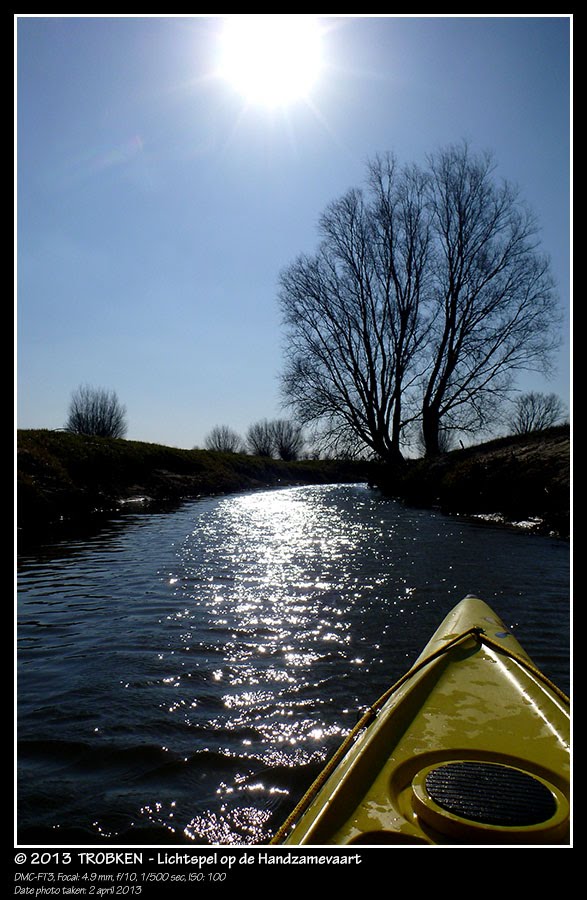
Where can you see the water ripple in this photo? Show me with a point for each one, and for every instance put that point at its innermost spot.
(182, 677)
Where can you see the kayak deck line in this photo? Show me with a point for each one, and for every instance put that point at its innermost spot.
(349, 802)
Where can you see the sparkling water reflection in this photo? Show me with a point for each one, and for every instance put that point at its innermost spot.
(182, 677)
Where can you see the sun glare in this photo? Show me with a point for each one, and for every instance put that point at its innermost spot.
(271, 60)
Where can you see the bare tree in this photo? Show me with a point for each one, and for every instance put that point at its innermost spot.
(535, 412)
(288, 439)
(426, 297)
(223, 439)
(95, 411)
(352, 312)
(493, 309)
(260, 439)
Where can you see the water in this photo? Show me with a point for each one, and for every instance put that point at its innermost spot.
(183, 676)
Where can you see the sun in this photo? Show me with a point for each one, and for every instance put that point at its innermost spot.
(271, 60)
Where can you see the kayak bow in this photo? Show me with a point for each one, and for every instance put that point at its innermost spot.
(471, 746)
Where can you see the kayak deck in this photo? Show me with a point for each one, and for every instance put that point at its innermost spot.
(471, 746)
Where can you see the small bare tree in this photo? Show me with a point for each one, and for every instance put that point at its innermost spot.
(223, 439)
(288, 439)
(96, 411)
(535, 412)
(260, 439)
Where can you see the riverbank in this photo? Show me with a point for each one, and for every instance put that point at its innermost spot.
(62, 478)
(521, 479)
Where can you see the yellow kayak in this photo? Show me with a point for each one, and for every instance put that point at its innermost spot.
(471, 746)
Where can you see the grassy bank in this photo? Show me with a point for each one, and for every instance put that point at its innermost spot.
(63, 476)
(514, 479)
(66, 477)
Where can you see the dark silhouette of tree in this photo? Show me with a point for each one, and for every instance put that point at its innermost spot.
(95, 411)
(223, 439)
(278, 438)
(425, 298)
(492, 305)
(288, 440)
(353, 312)
(260, 439)
(535, 412)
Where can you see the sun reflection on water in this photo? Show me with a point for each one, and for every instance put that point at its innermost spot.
(267, 589)
(273, 646)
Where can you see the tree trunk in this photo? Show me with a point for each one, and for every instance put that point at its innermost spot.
(394, 454)
(431, 431)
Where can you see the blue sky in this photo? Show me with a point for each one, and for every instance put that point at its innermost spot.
(155, 208)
